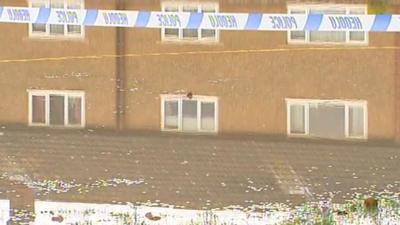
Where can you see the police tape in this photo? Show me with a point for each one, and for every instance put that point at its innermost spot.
(210, 21)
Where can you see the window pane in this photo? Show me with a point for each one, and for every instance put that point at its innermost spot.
(38, 109)
(171, 32)
(297, 35)
(297, 11)
(208, 116)
(357, 35)
(190, 9)
(38, 28)
(59, 4)
(190, 33)
(189, 115)
(356, 121)
(208, 9)
(56, 110)
(297, 119)
(206, 33)
(171, 9)
(171, 114)
(328, 11)
(74, 110)
(327, 120)
(328, 36)
(56, 29)
(38, 4)
(74, 29)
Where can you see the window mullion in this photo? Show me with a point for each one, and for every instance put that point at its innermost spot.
(65, 25)
(288, 118)
(307, 118)
(216, 115)
(48, 5)
(47, 109)
(365, 120)
(180, 117)
(83, 110)
(307, 33)
(162, 113)
(347, 11)
(66, 99)
(346, 120)
(199, 37)
(198, 115)
(30, 109)
(180, 30)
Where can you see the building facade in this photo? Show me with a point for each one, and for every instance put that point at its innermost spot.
(340, 85)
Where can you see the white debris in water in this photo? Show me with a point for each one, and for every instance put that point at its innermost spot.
(59, 186)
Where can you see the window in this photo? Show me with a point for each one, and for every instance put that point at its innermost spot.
(327, 118)
(197, 114)
(176, 34)
(328, 37)
(57, 30)
(56, 108)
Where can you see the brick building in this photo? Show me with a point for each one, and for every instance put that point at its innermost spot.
(340, 85)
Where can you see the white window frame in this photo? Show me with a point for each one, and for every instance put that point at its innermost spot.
(199, 99)
(308, 7)
(180, 6)
(345, 103)
(66, 95)
(47, 34)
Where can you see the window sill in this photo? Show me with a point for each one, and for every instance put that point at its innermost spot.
(57, 38)
(189, 132)
(328, 44)
(306, 136)
(56, 126)
(189, 42)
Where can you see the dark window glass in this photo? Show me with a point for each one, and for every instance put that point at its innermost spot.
(189, 115)
(327, 120)
(38, 109)
(56, 110)
(74, 110)
(208, 116)
(171, 114)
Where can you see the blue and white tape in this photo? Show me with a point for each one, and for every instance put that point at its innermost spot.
(219, 21)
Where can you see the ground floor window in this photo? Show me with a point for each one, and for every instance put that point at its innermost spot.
(194, 114)
(56, 108)
(327, 118)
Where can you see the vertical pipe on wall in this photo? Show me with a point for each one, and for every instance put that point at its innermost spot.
(120, 72)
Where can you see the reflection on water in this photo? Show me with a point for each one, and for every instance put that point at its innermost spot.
(74, 213)
(4, 211)
(80, 213)
(55, 213)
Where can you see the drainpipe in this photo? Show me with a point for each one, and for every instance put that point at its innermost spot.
(120, 72)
